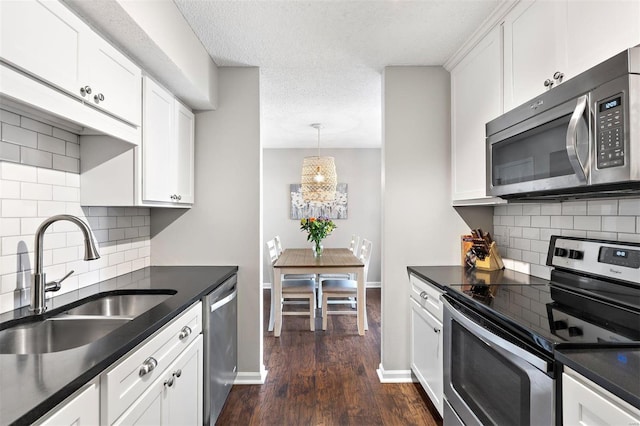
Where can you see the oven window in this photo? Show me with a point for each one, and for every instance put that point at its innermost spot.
(493, 388)
(539, 153)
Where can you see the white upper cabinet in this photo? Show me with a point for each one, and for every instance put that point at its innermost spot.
(476, 98)
(616, 26)
(547, 42)
(167, 147)
(47, 41)
(533, 49)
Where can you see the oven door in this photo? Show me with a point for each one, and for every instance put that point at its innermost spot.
(549, 151)
(488, 380)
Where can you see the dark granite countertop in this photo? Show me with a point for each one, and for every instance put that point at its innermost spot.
(31, 385)
(616, 369)
(443, 276)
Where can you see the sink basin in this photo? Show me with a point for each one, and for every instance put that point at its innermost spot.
(55, 334)
(122, 305)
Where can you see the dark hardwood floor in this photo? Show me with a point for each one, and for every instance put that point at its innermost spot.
(326, 378)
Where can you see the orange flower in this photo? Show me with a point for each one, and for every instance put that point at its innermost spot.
(312, 219)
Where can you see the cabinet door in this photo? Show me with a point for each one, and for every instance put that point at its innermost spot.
(184, 402)
(614, 25)
(476, 98)
(534, 38)
(157, 140)
(183, 153)
(426, 353)
(83, 409)
(115, 81)
(45, 39)
(587, 405)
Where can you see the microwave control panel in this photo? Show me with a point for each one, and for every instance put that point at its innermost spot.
(610, 122)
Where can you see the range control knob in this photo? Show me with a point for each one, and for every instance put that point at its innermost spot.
(575, 331)
(560, 325)
(560, 252)
(575, 254)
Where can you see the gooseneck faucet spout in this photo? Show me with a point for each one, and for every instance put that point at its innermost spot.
(39, 283)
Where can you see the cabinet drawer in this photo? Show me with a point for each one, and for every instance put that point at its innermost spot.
(427, 295)
(125, 382)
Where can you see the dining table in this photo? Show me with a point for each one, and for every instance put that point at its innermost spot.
(331, 261)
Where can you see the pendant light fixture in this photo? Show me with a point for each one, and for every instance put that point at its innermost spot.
(319, 177)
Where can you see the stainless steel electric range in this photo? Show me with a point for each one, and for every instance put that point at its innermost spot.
(499, 340)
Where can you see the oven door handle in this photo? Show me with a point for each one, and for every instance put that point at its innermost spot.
(572, 140)
(507, 349)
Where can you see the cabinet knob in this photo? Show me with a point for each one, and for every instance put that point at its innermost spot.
(178, 373)
(558, 76)
(184, 333)
(179, 197)
(86, 90)
(548, 83)
(98, 98)
(424, 295)
(148, 366)
(174, 197)
(169, 382)
(435, 330)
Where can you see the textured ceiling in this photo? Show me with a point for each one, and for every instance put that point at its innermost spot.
(322, 61)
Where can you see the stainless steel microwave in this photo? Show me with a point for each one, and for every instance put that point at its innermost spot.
(579, 139)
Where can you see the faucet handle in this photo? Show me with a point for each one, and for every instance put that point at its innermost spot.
(56, 285)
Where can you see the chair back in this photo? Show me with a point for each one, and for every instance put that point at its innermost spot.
(276, 240)
(273, 251)
(365, 255)
(353, 245)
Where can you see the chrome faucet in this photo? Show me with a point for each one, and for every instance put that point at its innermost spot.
(39, 283)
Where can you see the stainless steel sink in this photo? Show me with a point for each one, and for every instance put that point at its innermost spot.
(55, 334)
(79, 325)
(122, 305)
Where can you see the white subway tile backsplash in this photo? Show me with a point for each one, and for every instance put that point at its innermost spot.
(541, 221)
(629, 207)
(602, 207)
(634, 238)
(531, 209)
(9, 152)
(574, 208)
(531, 233)
(29, 193)
(599, 235)
(522, 220)
(589, 223)
(19, 136)
(626, 224)
(514, 209)
(551, 209)
(561, 221)
(574, 233)
(36, 126)
(500, 211)
(507, 221)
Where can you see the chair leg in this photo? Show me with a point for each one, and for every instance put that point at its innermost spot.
(312, 311)
(272, 318)
(325, 302)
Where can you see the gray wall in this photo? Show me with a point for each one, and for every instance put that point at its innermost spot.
(359, 168)
(224, 225)
(419, 226)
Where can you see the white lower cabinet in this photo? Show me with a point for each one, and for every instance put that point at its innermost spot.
(175, 397)
(81, 409)
(426, 353)
(426, 338)
(585, 403)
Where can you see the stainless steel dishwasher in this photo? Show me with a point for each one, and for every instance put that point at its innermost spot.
(220, 347)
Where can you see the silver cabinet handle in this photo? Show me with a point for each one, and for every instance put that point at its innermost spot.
(98, 98)
(548, 83)
(178, 373)
(148, 366)
(169, 381)
(558, 76)
(435, 330)
(424, 295)
(184, 333)
(179, 197)
(86, 90)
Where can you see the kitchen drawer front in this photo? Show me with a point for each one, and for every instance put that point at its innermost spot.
(427, 295)
(123, 384)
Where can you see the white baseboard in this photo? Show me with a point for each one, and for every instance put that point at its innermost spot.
(251, 377)
(394, 376)
(369, 284)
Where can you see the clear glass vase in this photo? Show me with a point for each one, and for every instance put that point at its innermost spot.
(317, 249)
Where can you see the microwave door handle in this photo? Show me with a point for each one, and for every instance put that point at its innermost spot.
(572, 140)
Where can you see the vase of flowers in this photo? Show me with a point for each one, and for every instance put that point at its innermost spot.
(317, 230)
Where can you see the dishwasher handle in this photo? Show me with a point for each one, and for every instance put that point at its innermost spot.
(228, 298)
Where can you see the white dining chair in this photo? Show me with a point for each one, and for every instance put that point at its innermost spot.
(345, 290)
(353, 247)
(293, 290)
(278, 251)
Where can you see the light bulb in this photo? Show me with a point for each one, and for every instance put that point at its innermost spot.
(318, 178)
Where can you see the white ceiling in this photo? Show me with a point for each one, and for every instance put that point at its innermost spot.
(322, 61)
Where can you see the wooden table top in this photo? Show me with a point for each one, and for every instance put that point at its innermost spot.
(331, 257)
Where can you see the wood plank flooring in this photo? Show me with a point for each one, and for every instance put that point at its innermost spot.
(326, 378)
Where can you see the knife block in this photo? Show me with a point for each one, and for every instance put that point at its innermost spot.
(493, 262)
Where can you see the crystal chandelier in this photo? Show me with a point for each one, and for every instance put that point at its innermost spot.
(319, 177)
